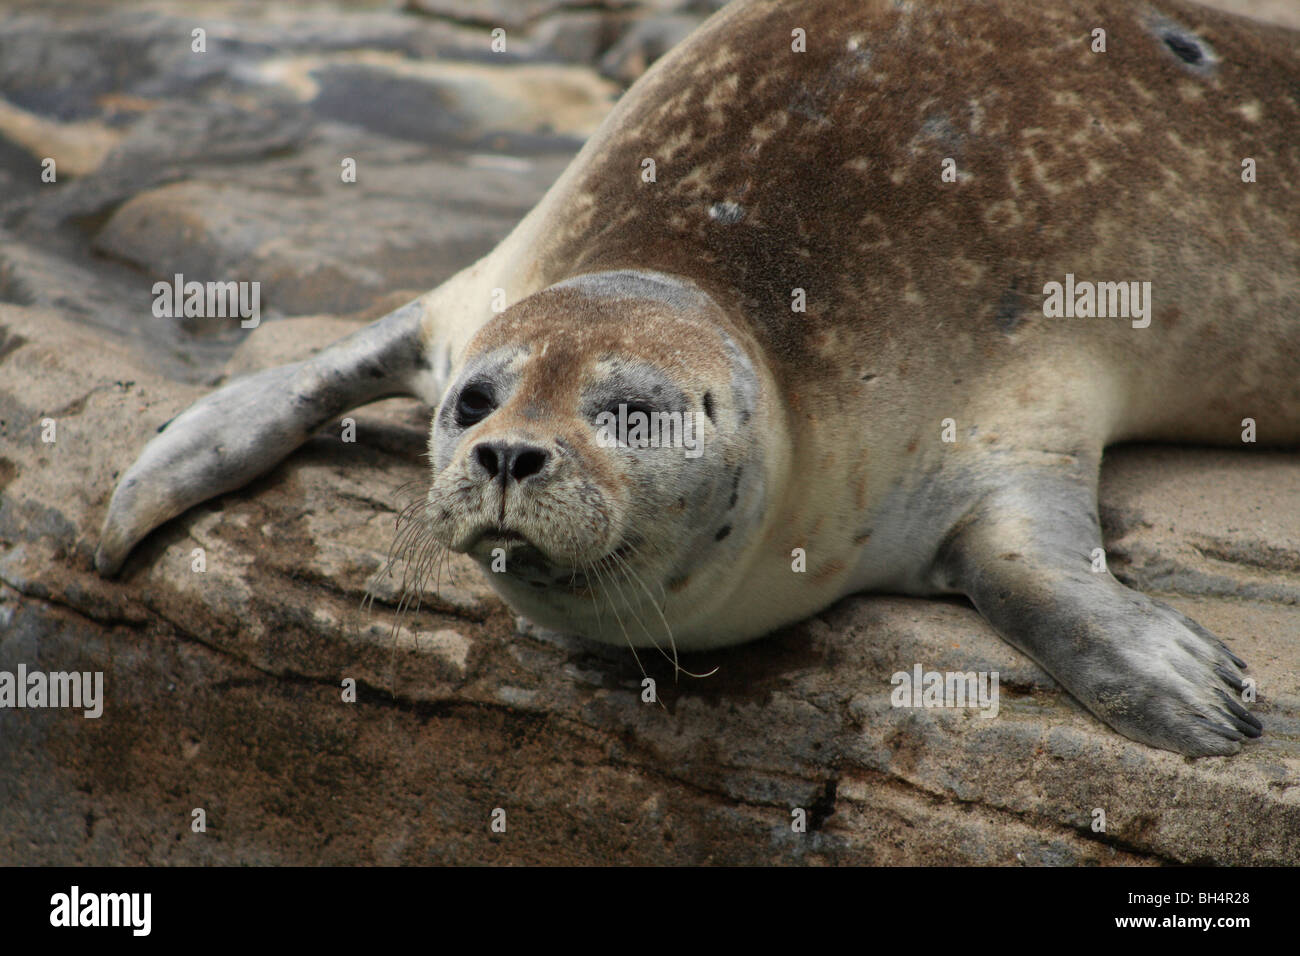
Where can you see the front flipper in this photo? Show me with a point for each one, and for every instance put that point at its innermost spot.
(1023, 555)
(228, 438)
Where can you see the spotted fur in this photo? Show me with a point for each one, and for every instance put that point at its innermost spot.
(820, 171)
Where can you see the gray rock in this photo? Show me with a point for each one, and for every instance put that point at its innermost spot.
(643, 42)
(226, 165)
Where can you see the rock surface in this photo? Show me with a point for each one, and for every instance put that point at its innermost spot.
(223, 687)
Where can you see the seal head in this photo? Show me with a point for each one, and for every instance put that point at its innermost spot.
(597, 449)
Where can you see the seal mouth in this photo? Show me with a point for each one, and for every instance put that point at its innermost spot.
(490, 536)
(502, 536)
(534, 565)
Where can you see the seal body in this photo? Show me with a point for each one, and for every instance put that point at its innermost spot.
(910, 267)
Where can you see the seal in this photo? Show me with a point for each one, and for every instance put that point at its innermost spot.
(889, 276)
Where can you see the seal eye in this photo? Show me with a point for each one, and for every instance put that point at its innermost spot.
(475, 404)
(629, 407)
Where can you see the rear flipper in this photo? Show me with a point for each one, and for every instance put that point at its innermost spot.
(228, 438)
(1023, 556)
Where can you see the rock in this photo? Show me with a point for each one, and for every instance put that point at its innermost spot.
(225, 687)
(507, 14)
(80, 147)
(226, 165)
(644, 42)
(623, 36)
(579, 37)
(1282, 12)
(306, 260)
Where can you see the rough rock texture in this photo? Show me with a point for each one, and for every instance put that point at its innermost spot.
(223, 687)
(227, 165)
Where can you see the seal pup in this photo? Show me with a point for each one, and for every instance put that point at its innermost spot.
(830, 233)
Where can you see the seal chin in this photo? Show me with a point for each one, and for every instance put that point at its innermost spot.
(483, 542)
(483, 539)
(532, 562)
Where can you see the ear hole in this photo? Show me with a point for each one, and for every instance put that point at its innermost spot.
(708, 405)
(1185, 48)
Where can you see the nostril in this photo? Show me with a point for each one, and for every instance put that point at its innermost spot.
(502, 462)
(527, 463)
(487, 457)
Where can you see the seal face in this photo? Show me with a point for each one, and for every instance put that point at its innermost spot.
(592, 452)
(829, 289)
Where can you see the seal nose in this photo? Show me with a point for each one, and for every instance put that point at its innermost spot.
(505, 461)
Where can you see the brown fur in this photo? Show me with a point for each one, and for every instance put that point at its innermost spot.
(1116, 165)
